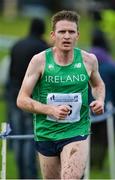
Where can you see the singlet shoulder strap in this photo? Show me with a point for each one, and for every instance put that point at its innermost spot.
(49, 55)
(77, 55)
(49, 58)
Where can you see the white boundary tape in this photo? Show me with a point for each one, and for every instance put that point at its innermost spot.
(3, 153)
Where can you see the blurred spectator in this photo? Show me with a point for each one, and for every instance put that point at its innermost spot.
(4, 66)
(21, 122)
(100, 47)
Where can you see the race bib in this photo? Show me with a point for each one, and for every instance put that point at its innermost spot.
(73, 100)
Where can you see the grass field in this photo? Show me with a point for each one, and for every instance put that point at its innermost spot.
(18, 27)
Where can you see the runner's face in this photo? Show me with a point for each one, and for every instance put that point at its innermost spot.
(65, 35)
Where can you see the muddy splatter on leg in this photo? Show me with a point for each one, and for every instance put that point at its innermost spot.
(73, 160)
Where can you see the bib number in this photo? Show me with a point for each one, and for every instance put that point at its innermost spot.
(73, 100)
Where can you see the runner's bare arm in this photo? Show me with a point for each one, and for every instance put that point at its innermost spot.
(97, 87)
(24, 99)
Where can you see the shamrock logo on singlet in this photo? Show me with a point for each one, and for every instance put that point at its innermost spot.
(50, 66)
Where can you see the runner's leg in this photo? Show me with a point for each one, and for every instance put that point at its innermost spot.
(73, 159)
(50, 166)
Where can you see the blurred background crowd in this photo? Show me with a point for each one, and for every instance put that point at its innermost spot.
(24, 31)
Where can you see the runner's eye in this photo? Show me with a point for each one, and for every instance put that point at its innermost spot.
(62, 31)
(71, 32)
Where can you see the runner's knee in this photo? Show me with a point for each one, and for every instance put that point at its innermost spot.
(69, 173)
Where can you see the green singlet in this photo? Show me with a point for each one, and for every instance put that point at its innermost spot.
(63, 85)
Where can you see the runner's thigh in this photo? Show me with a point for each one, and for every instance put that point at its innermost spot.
(73, 159)
(50, 166)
